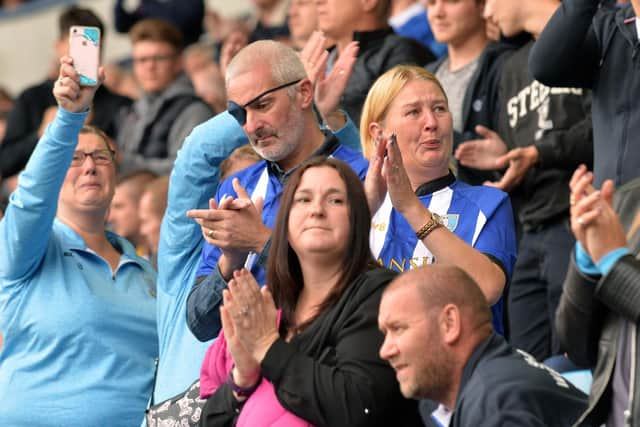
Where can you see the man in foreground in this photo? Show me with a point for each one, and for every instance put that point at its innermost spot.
(439, 339)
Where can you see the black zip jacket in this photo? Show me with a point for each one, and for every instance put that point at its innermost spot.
(504, 387)
(591, 316)
(584, 46)
(331, 374)
(480, 105)
(379, 51)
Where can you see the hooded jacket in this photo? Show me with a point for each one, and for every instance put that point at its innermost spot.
(156, 125)
(480, 105)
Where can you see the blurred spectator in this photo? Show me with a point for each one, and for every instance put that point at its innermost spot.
(120, 80)
(592, 47)
(469, 72)
(409, 19)
(208, 84)
(302, 21)
(439, 339)
(7, 186)
(543, 135)
(6, 100)
(241, 158)
(155, 126)
(12, 4)
(196, 57)
(269, 21)
(186, 15)
(379, 47)
(123, 212)
(6, 104)
(236, 40)
(153, 203)
(35, 107)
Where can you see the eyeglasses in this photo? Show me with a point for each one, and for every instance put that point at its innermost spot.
(239, 112)
(100, 157)
(152, 58)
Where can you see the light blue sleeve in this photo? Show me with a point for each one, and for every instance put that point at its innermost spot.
(193, 181)
(28, 221)
(349, 135)
(607, 262)
(584, 262)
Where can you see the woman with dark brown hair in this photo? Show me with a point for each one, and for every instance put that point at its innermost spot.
(315, 362)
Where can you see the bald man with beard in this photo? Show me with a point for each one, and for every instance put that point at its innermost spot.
(440, 341)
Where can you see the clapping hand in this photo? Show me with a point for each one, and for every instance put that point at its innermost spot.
(593, 219)
(329, 87)
(387, 174)
(249, 320)
(484, 153)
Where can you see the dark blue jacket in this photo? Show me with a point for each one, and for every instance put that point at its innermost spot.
(480, 105)
(597, 48)
(501, 386)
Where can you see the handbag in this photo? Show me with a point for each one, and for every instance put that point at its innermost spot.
(182, 410)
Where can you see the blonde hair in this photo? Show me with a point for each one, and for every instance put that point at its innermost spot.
(382, 93)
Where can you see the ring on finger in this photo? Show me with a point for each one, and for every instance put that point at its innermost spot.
(210, 234)
(572, 200)
(580, 221)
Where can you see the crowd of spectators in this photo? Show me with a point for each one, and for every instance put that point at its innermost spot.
(327, 213)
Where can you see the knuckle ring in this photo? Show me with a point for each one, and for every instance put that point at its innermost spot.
(210, 234)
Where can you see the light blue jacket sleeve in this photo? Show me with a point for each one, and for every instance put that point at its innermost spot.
(28, 221)
(349, 135)
(193, 182)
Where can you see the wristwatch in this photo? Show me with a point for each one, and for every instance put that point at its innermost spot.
(242, 391)
(432, 223)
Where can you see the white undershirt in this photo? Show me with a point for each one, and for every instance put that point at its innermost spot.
(638, 27)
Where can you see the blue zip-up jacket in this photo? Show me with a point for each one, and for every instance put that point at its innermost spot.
(79, 340)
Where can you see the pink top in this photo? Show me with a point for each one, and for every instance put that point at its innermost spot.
(262, 408)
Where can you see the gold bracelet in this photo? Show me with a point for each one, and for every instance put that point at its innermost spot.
(432, 223)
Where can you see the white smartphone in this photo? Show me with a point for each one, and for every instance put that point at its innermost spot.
(84, 48)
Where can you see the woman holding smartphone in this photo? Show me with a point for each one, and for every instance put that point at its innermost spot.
(77, 306)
